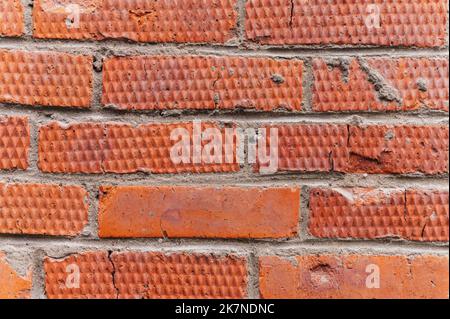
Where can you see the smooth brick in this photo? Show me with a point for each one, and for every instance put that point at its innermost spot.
(196, 82)
(373, 149)
(420, 215)
(38, 209)
(148, 275)
(45, 78)
(12, 284)
(347, 276)
(205, 212)
(14, 142)
(144, 21)
(11, 18)
(382, 84)
(347, 22)
(121, 148)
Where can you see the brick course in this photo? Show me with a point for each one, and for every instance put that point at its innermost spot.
(224, 149)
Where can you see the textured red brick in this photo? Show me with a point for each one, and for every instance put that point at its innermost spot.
(181, 275)
(45, 78)
(143, 21)
(374, 149)
(347, 276)
(205, 212)
(194, 82)
(311, 148)
(14, 142)
(121, 148)
(38, 209)
(11, 18)
(80, 276)
(347, 22)
(398, 149)
(146, 148)
(416, 83)
(13, 285)
(420, 215)
(74, 149)
(146, 275)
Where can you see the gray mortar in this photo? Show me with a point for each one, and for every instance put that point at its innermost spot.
(24, 251)
(20, 260)
(384, 90)
(343, 64)
(422, 85)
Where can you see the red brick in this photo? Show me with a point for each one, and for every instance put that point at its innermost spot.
(420, 215)
(399, 149)
(95, 280)
(144, 21)
(146, 148)
(11, 18)
(323, 22)
(417, 83)
(311, 148)
(13, 285)
(45, 78)
(370, 149)
(193, 82)
(120, 148)
(205, 212)
(148, 275)
(38, 209)
(181, 275)
(14, 142)
(74, 149)
(346, 277)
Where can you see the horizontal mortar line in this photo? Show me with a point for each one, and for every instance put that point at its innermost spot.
(63, 246)
(65, 115)
(238, 179)
(111, 47)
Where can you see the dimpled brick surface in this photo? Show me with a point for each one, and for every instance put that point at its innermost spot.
(155, 275)
(12, 285)
(348, 22)
(37, 209)
(310, 148)
(202, 212)
(141, 275)
(14, 142)
(188, 82)
(121, 148)
(143, 21)
(374, 149)
(370, 214)
(399, 149)
(11, 18)
(434, 206)
(147, 148)
(72, 149)
(420, 83)
(348, 277)
(45, 78)
(95, 280)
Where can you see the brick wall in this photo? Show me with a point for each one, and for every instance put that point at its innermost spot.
(96, 203)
